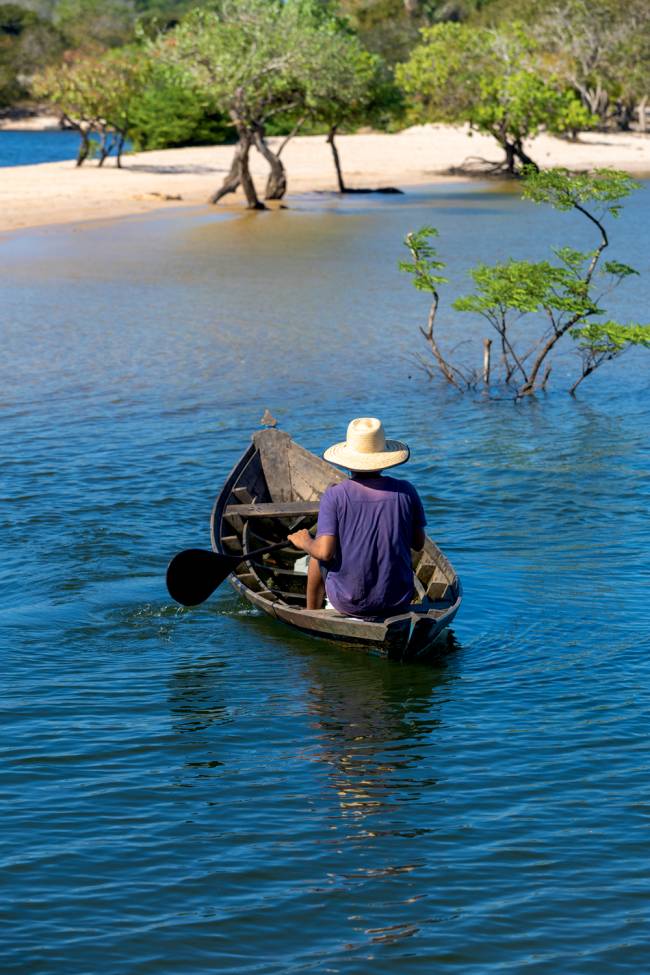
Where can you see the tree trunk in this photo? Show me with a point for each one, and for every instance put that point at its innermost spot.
(523, 156)
(121, 139)
(585, 372)
(595, 100)
(337, 161)
(276, 185)
(487, 345)
(84, 148)
(641, 107)
(510, 158)
(240, 173)
(104, 146)
(232, 180)
(625, 114)
(515, 152)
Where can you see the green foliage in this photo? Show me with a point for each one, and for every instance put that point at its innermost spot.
(573, 259)
(26, 43)
(85, 23)
(600, 48)
(74, 88)
(168, 110)
(95, 92)
(32, 39)
(436, 76)
(157, 16)
(245, 55)
(15, 20)
(564, 190)
(425, 263)
(89, 24)
(344, 84)
(489, 79)
(265, 59)
(600, 342)
(610, 338)
(388, 28)
(526, 287)
(618, 270)
(560, 296)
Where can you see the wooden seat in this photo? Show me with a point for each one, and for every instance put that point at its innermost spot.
(285, 509)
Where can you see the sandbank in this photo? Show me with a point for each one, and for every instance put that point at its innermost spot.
(53, 193)
(26, 122)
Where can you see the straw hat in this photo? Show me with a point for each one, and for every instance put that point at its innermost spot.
(366, 447)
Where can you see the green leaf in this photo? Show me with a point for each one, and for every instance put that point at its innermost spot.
(563, 190)
(617, 269)
(425, 261)
(610, 338)
(573, 259)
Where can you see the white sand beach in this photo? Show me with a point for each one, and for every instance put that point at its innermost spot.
(53, 193)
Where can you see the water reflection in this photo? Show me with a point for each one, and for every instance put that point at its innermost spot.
(370, 721)
(373, 721)
(196, 697)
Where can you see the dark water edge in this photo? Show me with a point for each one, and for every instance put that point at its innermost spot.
(188, 791)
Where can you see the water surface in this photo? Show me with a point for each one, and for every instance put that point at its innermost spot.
(202, 790)
(26, 148)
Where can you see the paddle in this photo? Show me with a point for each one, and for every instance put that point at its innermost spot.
(194, 574)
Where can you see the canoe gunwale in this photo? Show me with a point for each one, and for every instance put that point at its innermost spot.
(216, 515)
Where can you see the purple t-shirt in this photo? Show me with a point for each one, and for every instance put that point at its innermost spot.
(373, 520)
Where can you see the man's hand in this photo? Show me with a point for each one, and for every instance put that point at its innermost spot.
(322, 548)
(301, 540)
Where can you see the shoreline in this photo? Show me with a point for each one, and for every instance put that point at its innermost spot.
(47, 194)
(19, 121)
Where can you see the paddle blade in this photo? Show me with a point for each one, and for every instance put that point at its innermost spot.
(194, 574)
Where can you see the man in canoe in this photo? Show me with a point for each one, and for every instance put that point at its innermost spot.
(367, 526)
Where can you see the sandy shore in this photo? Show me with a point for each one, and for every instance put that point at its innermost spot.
(30, 123)
(53, 193)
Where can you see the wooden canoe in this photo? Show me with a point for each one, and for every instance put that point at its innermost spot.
(276, 485)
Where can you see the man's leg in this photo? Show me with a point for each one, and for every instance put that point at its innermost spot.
(315, 585)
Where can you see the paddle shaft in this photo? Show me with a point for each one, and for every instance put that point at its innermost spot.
(236, 559)
(194, 574)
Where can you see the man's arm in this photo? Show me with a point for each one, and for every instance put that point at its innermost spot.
(322, 548)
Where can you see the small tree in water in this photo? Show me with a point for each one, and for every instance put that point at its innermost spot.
(563, 296)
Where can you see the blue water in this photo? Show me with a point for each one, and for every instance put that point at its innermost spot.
(27, 148)
(202, 790)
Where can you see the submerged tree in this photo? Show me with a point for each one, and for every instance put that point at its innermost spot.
(491, 80)
(563, 296)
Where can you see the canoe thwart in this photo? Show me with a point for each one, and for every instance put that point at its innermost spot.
(284, 509)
